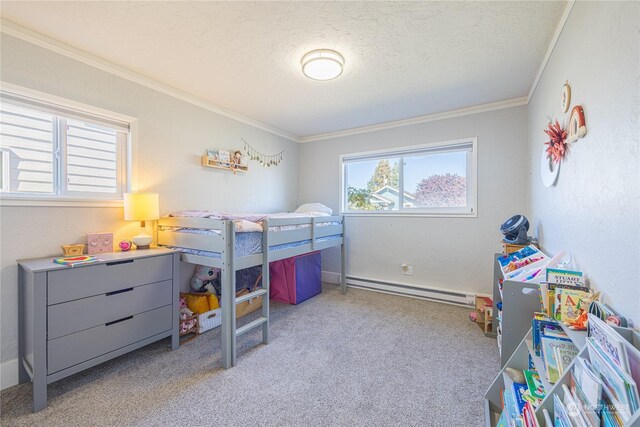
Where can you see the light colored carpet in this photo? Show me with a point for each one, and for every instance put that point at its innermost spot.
(364, 358)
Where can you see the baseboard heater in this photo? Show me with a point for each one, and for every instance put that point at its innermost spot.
(414, 291)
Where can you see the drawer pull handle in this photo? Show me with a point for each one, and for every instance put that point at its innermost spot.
(121, 291)
(126, 261)
(118, 321)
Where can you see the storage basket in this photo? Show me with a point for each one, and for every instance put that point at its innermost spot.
(508, 248)
(209, 320)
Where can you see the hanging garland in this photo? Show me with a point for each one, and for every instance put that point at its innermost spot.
(265, 160)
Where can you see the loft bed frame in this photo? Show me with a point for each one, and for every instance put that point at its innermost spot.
(228, 263)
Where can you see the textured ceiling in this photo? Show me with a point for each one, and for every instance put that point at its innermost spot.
(403, 59)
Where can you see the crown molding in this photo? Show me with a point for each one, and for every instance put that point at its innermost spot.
(475, 109)
(39, 39)
(552, 46)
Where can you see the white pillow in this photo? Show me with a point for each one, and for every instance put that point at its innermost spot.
(314, 207)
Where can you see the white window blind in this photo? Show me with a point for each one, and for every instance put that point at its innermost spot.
(72, 156)
(27, 139)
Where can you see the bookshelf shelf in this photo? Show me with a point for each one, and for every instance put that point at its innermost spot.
(519, 360)
(210, 162)
(519, 302)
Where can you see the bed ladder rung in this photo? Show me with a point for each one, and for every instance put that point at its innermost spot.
(251, 295)
(259, 321)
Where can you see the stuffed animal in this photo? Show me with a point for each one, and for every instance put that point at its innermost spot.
(185, 313)
(206, 279)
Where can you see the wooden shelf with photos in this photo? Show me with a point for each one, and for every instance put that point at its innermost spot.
(225, 160)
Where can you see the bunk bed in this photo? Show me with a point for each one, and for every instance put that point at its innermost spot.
(232, 243)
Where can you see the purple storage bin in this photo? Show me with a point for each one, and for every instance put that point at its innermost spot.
(296, 279)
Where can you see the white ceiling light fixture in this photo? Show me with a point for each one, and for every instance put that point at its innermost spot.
(322, 64)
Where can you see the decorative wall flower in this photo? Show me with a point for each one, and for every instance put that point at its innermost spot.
(557, 144)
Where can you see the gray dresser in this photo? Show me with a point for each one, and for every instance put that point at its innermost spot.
(72, 318)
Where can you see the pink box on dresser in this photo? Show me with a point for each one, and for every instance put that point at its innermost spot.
(99, 243)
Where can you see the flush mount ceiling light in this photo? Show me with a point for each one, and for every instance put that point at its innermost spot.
(322, 64)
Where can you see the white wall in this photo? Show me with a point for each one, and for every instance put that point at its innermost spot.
(449, 253)
(172, 136)
(594, 208)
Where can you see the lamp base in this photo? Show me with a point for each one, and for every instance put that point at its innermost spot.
(142, 241)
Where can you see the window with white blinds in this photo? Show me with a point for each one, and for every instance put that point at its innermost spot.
(54, 152)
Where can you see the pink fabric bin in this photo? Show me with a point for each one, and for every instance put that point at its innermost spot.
(296, 279)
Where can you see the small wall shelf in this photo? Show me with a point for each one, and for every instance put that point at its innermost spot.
(215, 164)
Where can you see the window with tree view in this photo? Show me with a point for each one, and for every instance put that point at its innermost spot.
(431, 179)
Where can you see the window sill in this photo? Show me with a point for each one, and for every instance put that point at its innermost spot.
(410, 215)
(56, 202)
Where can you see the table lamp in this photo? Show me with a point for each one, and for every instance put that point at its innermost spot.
(141, 207)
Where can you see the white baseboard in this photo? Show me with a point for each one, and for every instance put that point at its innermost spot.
(431, 293)
(9, 374)
(331, 277)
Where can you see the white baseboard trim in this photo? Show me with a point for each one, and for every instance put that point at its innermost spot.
(9, 374)
(461, 298)
(331, 277)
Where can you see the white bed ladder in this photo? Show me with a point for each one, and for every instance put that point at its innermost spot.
(230, 332)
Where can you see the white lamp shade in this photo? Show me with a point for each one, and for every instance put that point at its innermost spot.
(141, 206)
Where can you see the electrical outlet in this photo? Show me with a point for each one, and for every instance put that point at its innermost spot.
(407, 269)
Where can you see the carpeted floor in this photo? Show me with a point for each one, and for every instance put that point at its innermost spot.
(360, 359)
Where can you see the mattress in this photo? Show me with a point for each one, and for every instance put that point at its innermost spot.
(248, 241)
(246, 244)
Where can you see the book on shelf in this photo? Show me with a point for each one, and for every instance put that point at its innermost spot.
(564, 277)
(564, 357)
(588, 381)
(589, 407)
(536, 388)
(543, 325)
(573, 410)
(76, 260)
(523, 253)
(529, 416)
(569, 300)
(611, 343)
(512, 413)
(560, 416)
(618, 386)
(548, 355)
(553, 304)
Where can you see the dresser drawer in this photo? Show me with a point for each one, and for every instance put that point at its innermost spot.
(73, 316)
(85, 281)
(82, 346)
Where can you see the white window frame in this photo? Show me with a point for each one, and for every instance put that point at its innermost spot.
(126, 155)
(472, 180)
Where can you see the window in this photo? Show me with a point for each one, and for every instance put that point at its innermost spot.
(435, 179)
(49, 151)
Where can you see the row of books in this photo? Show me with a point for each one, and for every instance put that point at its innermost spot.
(552, 345)
(520, 399)
(598, 390)
(602, 390)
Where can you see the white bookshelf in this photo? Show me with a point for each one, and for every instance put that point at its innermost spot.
(519, 360)
(519, 302)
